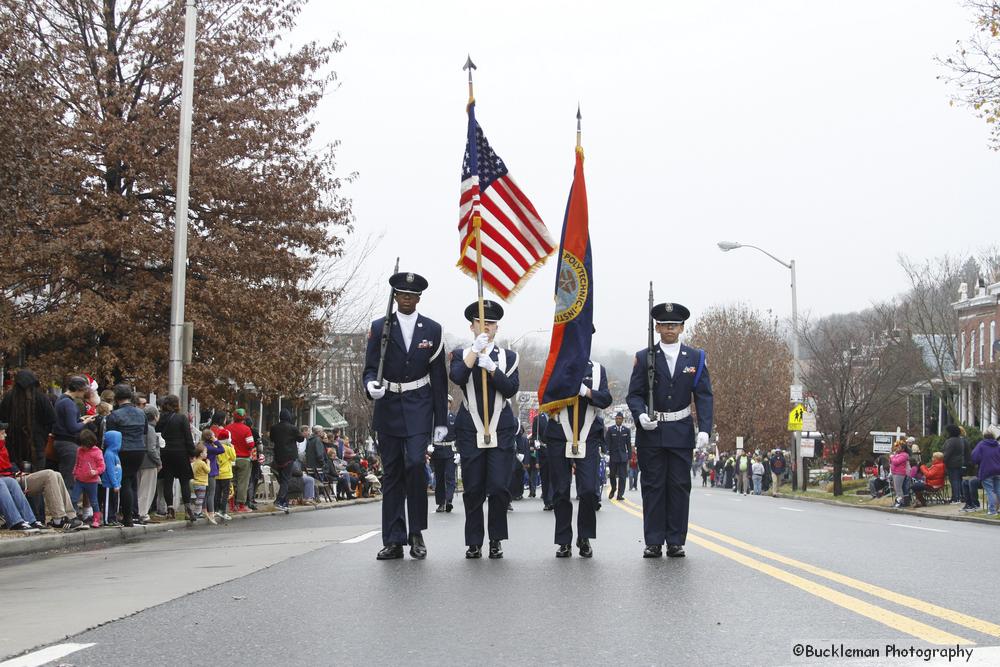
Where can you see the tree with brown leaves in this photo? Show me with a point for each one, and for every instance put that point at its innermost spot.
(85, 276)
(751, 367)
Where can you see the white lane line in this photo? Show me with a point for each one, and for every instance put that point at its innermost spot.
(45, 655)
(353, 540)
(790, 509)
(903, 525)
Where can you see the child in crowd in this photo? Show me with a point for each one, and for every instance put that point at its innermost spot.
(111, 478)
(200, 470)
(213, 449)
(757, 474)
(224, 480)
(87, 472)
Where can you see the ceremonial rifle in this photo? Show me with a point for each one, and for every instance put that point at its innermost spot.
(650, 356)
(386, 331)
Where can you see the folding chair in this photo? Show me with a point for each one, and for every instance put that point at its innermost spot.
(323, 486)
(934, 495)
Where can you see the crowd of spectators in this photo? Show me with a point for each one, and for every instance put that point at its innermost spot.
(743, 472)
(81, 459)
(955, 474)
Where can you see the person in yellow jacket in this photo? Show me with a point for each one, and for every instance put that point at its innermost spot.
(224, 481)
(199, 480)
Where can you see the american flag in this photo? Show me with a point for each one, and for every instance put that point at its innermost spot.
(514, 239)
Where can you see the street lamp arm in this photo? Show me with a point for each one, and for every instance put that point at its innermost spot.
(787, 265)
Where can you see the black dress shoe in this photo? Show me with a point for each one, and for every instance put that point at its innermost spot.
(611, 495)
(510, 508)
(390, 552)
(440, 508)
(586, 551)
(495, 550)
(653, 551)
(547, 508)
(417, 548)
(474, 551)
(621, 497)
(564, 551)
(597, 508)
(675, 551)
(448, 507)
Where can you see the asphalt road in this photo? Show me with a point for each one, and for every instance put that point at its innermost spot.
(762, 577)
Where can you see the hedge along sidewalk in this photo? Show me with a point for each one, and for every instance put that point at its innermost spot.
(55, 540)
(908, 511)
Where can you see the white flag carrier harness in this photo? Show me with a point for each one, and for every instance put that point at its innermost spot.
(499, 402)
(589, 416)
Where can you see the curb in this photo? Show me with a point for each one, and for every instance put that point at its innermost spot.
(39, 544)
(890, 510)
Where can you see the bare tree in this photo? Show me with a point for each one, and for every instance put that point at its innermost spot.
(974, 68)
(926, 316)
(751, 368)
(857, 364)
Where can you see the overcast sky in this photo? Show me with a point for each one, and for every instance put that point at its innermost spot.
(817, 131)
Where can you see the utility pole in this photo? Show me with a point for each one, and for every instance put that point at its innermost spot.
(175, 372)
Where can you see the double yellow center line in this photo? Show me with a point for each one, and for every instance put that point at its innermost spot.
(891, 619)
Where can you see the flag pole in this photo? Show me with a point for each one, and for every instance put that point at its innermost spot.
(576, 400)
(476, 225)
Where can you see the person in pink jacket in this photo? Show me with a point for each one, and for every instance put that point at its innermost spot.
(87, 473)
(899, 465)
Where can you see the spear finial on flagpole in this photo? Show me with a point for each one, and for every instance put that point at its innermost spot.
(469, 65)
(578, 130)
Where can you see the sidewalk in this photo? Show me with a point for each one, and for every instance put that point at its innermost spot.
(55, 540)
(884, 504)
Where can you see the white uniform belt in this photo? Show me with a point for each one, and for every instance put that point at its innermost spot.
(673, 416)
(400, 387)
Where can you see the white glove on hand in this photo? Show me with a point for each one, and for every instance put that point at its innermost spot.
(702, 439)
(487, 363)
(520, 458)
(375, 390)
(584, 389)
(456, 459)
(440, 433)
(646, 423)
(482, 340)
(430, 448)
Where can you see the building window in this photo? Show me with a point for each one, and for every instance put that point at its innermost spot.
(982, 341)
(993, 341)
(961, 354)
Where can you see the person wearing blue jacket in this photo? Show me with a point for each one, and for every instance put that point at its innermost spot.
(131, 422)
(486, 464)
(111, 478)
(667, 433)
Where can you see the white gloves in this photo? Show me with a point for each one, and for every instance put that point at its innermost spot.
(440, 433)
(482, 340)
(520, 458)
(487, 363)
(375, 390)
(646, 423)
(430, 448)
(584, 389)
(702, 439)
(456, 459)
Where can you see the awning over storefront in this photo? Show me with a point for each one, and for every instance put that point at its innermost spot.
(329, 417)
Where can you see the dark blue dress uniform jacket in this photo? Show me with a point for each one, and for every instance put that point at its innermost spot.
(504, 382)
(600, 397)
(417, 411)
(619, 443)
(671, 394)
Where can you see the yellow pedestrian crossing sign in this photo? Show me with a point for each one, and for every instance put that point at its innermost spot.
(795, 418)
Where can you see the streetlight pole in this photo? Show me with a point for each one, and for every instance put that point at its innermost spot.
(175, 372)
(726, 246)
